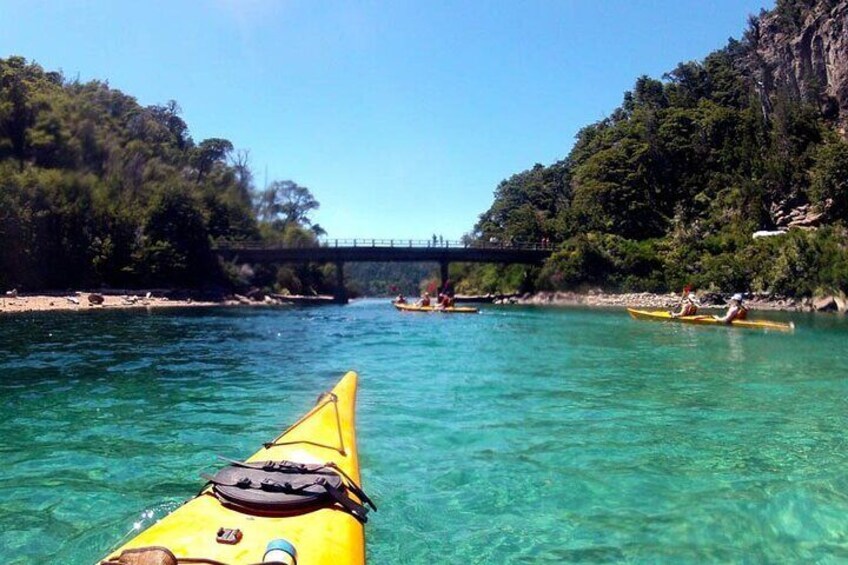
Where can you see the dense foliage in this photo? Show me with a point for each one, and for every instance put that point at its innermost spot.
(96, 189)
(390, 279)
(669, 189)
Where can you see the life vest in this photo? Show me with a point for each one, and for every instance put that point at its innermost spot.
(690, 310)
(742, 314)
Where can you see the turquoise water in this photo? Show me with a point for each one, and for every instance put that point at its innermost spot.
(520, 435)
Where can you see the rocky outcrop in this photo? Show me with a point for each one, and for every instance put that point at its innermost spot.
(806, 59)
(836, 303)
(804, 216)
(825, 304)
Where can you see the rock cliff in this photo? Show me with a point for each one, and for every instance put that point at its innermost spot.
(801, 49)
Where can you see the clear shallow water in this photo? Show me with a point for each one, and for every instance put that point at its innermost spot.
(517, 436)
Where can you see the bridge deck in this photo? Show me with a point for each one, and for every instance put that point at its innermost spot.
(345, 251)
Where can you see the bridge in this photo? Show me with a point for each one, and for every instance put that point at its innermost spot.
(341, 251)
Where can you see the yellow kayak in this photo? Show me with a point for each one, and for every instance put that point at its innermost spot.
(298, 496)
(706, 320)
(451, 310)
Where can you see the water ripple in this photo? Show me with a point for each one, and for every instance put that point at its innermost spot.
(522, 435)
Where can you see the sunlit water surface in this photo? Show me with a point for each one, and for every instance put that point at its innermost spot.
(519, 435)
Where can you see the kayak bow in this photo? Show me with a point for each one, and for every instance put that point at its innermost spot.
(319, 448)
(702, 320)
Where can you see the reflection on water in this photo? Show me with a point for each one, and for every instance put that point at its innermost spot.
(520, 435)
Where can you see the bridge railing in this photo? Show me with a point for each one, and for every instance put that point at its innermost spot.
(521, 245)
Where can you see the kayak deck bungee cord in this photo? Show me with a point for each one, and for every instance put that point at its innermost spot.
(296, 500)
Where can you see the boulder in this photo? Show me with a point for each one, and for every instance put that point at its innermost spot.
(825, 304)
(256, 294)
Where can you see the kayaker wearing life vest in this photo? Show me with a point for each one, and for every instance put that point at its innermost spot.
(425, 300)
(736, 311)
(445, 301)
(688, 307)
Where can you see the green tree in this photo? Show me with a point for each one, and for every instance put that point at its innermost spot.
(208, 153)
(175, 246)
(286, 202)
(829, 187)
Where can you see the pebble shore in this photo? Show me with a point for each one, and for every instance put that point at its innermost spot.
(652, 301)
(85, 301)
(82, 301)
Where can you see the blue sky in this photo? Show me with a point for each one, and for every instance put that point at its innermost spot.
(401, 117)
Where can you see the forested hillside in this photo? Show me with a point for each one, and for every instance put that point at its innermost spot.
(671, 187)
(96, 189)
(390, 279)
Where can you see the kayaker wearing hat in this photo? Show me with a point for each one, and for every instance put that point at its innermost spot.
(688, 307)
(736, 311)
(425, 300)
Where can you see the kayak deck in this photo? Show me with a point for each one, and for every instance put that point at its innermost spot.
(326, 535)
(705, 320)
(451, 310)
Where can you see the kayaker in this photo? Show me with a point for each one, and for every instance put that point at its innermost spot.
(401, 299)
(737, 310)
(688, 307)
(444, 301)
(447, 289)
(425, 300)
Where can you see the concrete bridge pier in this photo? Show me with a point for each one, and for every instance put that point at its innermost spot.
(443, 267)
(340, 295)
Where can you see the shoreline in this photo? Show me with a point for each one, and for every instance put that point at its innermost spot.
(670, 301)
(88, 301)
(79, 301)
